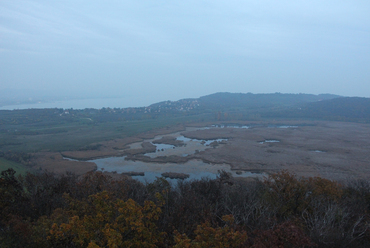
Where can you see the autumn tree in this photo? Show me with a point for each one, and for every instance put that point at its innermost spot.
(207, 236)
(105, 221)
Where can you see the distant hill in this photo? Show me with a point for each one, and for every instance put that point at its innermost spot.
(343, 109)
(243, 105)
(218, 106)
(249, 100)
(278, 105)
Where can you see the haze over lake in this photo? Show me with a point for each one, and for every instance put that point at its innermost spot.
(96, 103)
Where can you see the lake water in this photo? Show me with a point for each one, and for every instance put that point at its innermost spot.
(195, 168)
(161, 147)
(203, 142)
(230, 126)
(96, 103)
(269, 141)
(281, 126)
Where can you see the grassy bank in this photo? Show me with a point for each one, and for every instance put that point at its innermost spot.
(6, 164)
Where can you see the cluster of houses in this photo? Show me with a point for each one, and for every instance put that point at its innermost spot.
(162, 107)
(169, 106)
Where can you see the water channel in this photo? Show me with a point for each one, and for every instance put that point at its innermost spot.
(196, 169)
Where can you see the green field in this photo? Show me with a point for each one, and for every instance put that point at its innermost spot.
(74, 135)
(6, 164)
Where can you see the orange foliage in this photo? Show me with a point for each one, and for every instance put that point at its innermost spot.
(295, 195)
(106, 222)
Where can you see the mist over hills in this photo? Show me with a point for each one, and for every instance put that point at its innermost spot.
(322, 106)
(250, 101)
(253, 106)
(341, 109)
(242, 99)
(225, 100)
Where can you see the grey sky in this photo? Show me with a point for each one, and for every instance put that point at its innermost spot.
(167, 50)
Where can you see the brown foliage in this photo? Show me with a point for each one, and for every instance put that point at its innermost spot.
(96, 210)
(285, 234)
(292, 196)
(208, 236)
(104, 221)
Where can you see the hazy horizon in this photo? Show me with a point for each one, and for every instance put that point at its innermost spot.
(76, 102)
(157, 51)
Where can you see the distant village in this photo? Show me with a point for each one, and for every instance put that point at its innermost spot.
(183, 105)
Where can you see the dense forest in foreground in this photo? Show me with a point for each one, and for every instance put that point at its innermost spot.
(97, 210)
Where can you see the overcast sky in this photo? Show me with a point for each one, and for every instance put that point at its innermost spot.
(168, 50)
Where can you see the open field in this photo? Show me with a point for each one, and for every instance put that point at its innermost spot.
(19, 168)
(60, 136)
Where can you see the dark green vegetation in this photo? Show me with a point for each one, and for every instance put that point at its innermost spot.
(18, 161)
(354, 109)
(253, 102)
(18, 167)
(44, 210)
(46, 129)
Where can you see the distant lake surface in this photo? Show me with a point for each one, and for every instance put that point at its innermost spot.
(96, 103)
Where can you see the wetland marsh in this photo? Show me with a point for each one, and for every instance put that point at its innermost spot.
(333, 150)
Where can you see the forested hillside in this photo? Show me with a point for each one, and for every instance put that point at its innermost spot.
(340, 109)
(250, 101)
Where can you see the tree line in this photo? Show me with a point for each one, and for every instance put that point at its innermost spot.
(98, 210)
